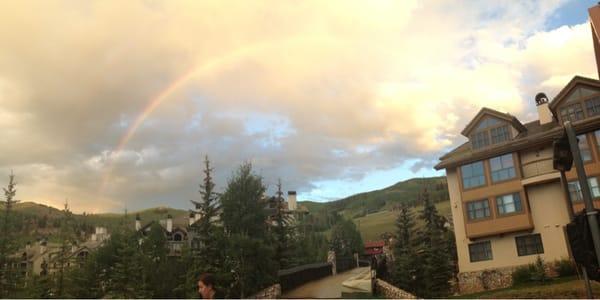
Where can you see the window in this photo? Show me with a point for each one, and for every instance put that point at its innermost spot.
(510, 203)
(571, 113)
(597, 135)
(502, 167)
(472, 175)
(575, 189)
(500, 134)
(584, 148)
(480, 139)
(478, 209)
(480, 251)
(529, 244)
(593, 106)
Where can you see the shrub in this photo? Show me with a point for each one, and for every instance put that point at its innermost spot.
(565, 267)
(532, 272)
(521, 275)
(538, 271)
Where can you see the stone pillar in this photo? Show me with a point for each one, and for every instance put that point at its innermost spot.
(331, 259)
(356, 259)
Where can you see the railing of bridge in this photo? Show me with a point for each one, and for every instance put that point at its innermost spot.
(294, 277)
(345, 264)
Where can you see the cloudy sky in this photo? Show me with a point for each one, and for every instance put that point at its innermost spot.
(113, 104)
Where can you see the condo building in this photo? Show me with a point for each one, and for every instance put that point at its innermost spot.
(508, 203)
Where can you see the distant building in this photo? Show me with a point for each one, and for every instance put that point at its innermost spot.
(43, 256)
(373, 248)
(176, 236)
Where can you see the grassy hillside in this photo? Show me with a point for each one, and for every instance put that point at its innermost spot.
(373, 212)
(373, 225)
(370, 202)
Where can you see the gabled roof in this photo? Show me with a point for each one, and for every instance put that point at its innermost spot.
(566, 91)
(496, 114)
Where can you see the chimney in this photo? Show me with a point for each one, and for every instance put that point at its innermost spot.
(544, 113)
(169, 223)
(292, 200)
(138, 223)
(192, 218)
(594, 12)
(42, 246)
(28, 246)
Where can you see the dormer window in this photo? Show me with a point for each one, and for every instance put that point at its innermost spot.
(580, 99)
(572, 113)
(490, 131)
(593, 106)
(491, 127)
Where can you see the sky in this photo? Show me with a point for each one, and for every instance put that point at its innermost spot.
(114, 104)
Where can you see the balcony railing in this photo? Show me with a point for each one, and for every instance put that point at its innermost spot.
(538, 167)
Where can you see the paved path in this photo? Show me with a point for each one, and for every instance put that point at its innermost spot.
(328, 287)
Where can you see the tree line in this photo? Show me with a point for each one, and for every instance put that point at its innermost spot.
(241, 236)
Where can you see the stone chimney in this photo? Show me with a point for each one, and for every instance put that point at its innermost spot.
(42, 246)
(192, 218)
(544, 113)
(138, 223)
(292, 200)
(169, 223)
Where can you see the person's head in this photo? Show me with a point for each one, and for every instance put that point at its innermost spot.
(206, 285)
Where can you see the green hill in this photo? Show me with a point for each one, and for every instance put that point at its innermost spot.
(373, 212)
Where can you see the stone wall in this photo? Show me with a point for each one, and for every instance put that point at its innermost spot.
(478, 281)
(472, 282)
(391, 292)
(272, 292)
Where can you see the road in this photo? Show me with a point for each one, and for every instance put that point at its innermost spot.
(328, 287)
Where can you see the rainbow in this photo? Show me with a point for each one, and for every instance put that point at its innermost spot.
(200, 69)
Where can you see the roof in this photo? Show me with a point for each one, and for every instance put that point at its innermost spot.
(539, 135)
(372, 244)
(533, 133)
(576, 81)
(491, 112)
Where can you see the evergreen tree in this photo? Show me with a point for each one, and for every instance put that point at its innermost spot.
(127, 279)
(67, 237)
(437, 267)
(346, 240)
(205, 235)
(406, 264)
(9, 277)
(282, 231)
(249, 258)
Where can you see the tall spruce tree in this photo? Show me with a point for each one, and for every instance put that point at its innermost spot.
(437, 267)
(406, 264)
(9, 278)
(205, 254)
(282, 231)
(249, 258)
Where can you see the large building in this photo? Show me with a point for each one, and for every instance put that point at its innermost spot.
(507, 201)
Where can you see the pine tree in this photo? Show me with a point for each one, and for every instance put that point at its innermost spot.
(68, 239)
(437, 267)
(406, 265)
(282, 231)
(9, 278)
(127, 278)
(249, 258)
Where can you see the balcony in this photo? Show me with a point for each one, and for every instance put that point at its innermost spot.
(539, 171)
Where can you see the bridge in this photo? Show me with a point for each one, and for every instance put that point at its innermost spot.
(329, 286)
